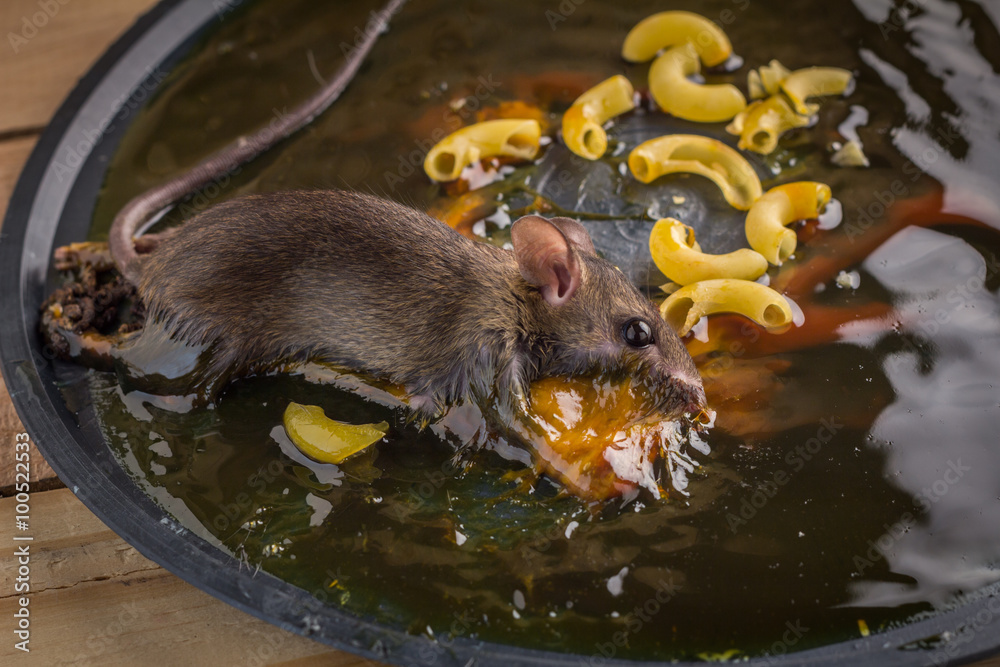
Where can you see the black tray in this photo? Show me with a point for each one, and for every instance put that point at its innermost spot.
(52, 205)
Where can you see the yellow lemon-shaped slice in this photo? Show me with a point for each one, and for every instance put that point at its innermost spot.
(325, 439)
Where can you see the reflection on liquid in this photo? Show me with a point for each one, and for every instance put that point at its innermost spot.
(940, 432)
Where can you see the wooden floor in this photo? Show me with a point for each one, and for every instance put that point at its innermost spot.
(93, 598)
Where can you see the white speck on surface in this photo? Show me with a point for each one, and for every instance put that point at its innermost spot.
(832, 215)
(798, 317)
(616, 583)
(321, 509)
(460, 538)
(570, 527)
(519, 599)
(161, 448)
(848, 279)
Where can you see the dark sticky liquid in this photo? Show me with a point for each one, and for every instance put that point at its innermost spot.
(858, 478)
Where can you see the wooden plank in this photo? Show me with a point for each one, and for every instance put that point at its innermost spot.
(95, 600)
(13, 155)
(47, 46)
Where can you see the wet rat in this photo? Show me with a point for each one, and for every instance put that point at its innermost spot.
(370, 284)
(378, 287)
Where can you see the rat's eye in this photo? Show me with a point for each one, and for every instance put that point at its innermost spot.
(637, 333)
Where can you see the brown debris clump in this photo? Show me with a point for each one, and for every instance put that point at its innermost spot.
(96, 301)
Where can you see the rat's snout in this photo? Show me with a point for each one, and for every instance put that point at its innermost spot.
(691, 391)
(681, 391)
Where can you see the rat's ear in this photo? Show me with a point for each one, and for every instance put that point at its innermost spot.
(546, 258)
(575, 233)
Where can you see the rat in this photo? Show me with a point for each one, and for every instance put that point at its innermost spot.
(378, 287)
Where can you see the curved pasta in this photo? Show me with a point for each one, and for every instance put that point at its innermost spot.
(665, 29)
(763, 305)
(677, 95)
(761, 124)
(771, 75)
(325, 439)
(765, 224)
(698, 155)
(582, 123)
(677, 254)
(508, 137)
(802, 84)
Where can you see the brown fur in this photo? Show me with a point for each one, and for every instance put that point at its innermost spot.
(382, 288)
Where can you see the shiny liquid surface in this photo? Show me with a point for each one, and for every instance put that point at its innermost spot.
(852, 472)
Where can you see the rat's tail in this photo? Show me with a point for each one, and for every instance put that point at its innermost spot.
(143, 208)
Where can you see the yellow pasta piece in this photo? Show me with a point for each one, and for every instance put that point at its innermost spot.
(676, 253)
(761, 124)
(755, 86)
(766, 80)
(326, 440)
(582, 123)
(765, 224)
(850, 155)
(698, 155)
(763, 305)
(507, 137)
(771, 76)
(677, 95)
(802, 84)
(667, 29)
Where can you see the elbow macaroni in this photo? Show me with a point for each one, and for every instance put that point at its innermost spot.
(582, 123)
(677, 254)
(765, 224)
(767, 79)
(698, 155)
(667, 29)
(677, 95)
(802, 84)
(507, 137)
(763, 305)
(763, 122)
